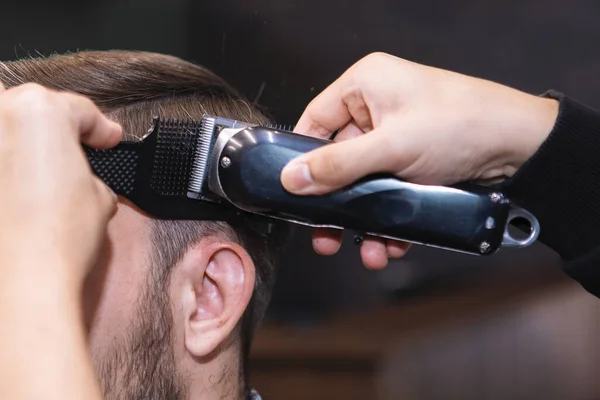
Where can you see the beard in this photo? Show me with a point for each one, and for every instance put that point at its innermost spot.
(142, 365)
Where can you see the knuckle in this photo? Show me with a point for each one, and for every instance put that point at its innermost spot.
(32, 97)
(378, 55)
(79, 105)
(378, 63)
(376, 58)
(26, 104)
(34, 91)
(75, 98)
(369, 69)
(32, 87)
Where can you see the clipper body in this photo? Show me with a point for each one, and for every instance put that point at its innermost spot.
(246, 168)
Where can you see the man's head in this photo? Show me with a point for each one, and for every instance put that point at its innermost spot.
(172, 305)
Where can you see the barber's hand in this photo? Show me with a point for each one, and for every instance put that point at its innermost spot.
(420, 123)
(53, 210)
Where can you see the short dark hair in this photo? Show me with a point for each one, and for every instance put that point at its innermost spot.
(133, 87)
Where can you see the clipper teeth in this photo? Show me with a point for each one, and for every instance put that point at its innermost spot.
(281, 127)
(202, 155)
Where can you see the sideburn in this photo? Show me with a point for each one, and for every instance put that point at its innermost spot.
(143, 365)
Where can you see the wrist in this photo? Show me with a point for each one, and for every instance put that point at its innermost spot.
(44, 338)
(34, 272)
(534, 124)
(39, 300)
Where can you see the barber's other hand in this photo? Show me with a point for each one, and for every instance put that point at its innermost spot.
(53, 210)
(424, 125)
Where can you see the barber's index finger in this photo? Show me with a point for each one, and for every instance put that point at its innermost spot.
(326, 113)
(95, 129)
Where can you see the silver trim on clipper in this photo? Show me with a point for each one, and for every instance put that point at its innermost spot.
(211, 126)
(214, 183)
(514, 213)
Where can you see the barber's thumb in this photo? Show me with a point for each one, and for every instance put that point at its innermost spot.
(333, 166)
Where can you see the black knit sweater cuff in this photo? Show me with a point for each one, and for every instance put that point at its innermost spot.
(560, 184)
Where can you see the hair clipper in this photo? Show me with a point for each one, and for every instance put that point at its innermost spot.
(218, 168)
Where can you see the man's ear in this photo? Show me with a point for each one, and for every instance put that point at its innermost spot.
(215, 283)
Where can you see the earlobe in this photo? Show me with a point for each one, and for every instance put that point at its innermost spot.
(221, 280)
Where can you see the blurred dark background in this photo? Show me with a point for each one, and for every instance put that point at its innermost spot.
(435, 324)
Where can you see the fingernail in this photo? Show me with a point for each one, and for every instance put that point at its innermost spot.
(296, 177)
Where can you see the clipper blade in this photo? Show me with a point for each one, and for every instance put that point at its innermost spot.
(211, 126)
(201, 156)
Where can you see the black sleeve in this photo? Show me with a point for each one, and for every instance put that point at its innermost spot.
(560, 185)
